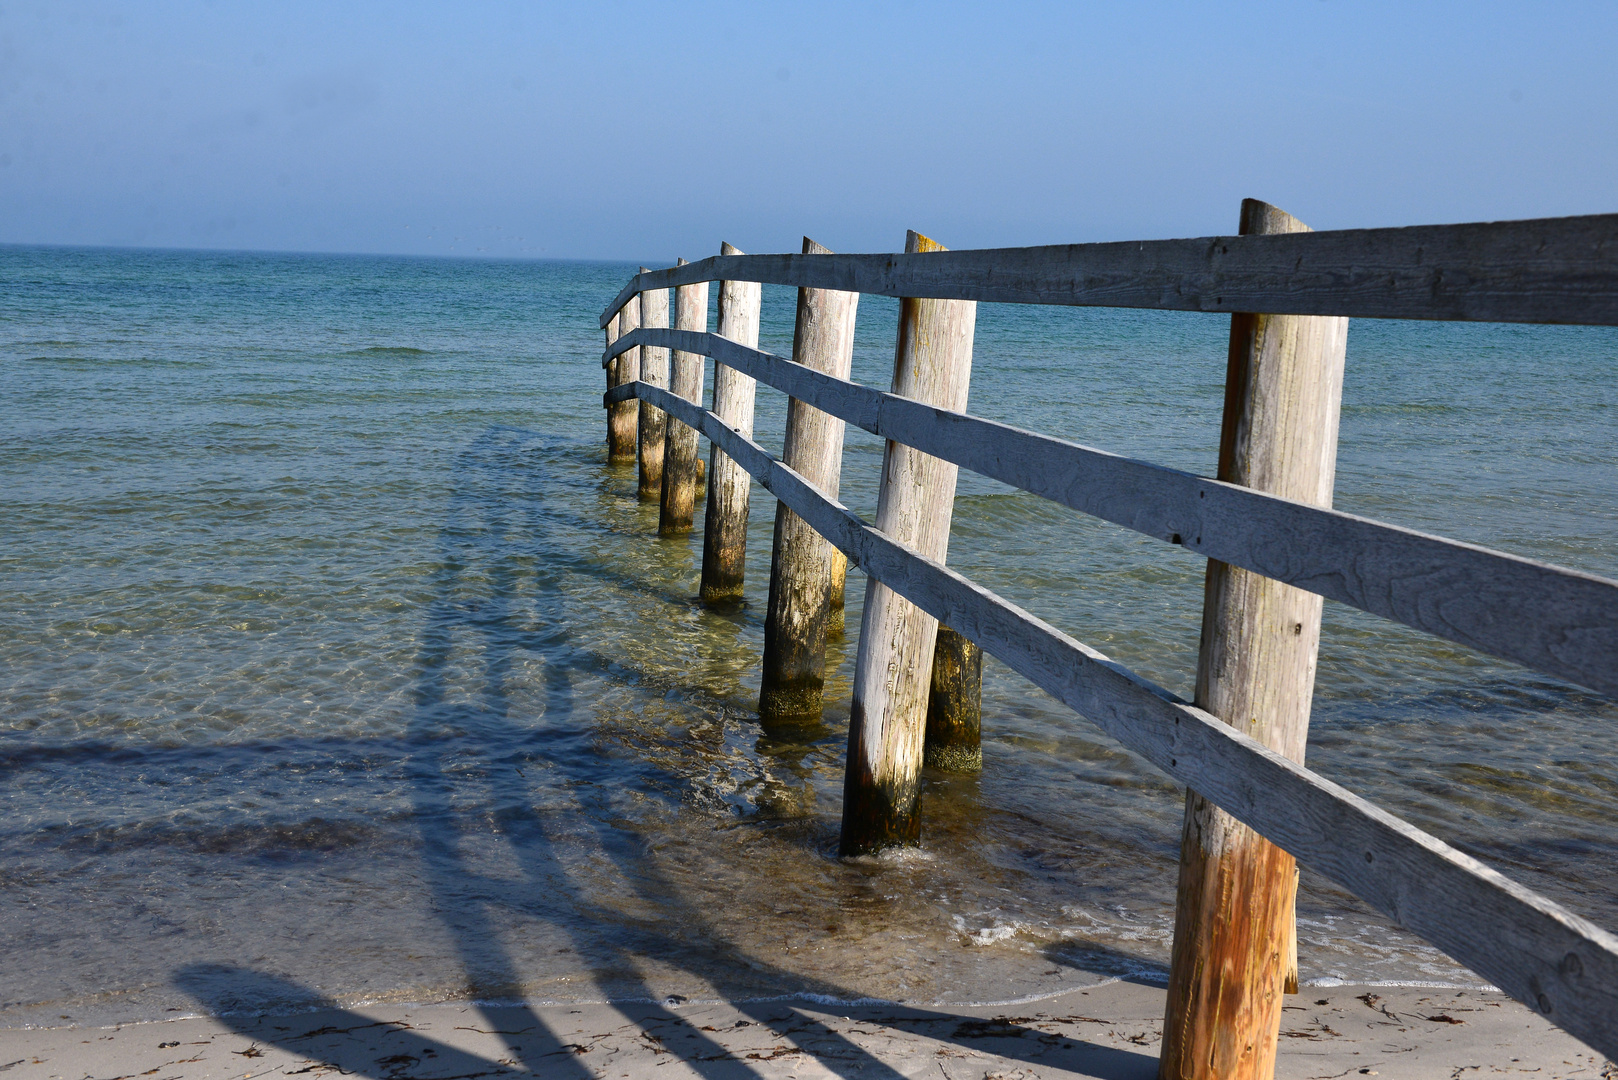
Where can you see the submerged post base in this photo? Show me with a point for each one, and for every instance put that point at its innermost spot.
(955, 705)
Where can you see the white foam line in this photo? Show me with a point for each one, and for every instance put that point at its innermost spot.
(1331, 982)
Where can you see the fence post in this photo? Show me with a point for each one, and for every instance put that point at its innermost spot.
(955, 705)
(612, 372)
(801, 563)
(680, 440)
(654, 371)
(1256, 671)
(623, 416)
(835, 601)
(892, 674)
(724, 525)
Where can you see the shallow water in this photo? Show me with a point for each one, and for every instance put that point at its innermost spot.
(336, 658)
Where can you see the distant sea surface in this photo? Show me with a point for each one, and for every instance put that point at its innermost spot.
(336, 664)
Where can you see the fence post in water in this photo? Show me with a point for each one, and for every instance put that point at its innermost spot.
(955, 705)
(801, 564)
(724, 526)
(892, 675)
(623, 416)
(680, 440)
(654, 371)
(612, 372)
(836, 598)
(1256, 671)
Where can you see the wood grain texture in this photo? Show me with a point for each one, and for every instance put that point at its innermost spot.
(1547, 270)
(680, 450)
(724, 526)
(1256, 671)
(654, 368)
(1558, 621)
(887, 720)
(1552, 960)
(794, 664)
(623, 419)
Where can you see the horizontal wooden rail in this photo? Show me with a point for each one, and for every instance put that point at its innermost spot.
(1547, 270)
(1554, 620)
(1563, 966)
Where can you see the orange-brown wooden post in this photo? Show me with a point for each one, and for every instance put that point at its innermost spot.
(1233, 926)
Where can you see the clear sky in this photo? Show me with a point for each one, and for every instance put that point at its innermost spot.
(652, 130)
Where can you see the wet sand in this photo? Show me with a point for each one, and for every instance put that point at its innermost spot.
(1109, 1032)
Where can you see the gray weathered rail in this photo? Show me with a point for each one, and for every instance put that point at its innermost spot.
(1549, 270)
(1559, 621)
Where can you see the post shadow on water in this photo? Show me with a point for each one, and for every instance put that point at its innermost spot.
(500, 528)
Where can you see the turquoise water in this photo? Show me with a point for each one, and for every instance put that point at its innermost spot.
(336, 658)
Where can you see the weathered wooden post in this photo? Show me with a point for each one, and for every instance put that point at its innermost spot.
(892, 674)
(837, 597)
(612, 372)
(623, 416)
(680, 440)
(724, 527)
(1256, 671)
(801, 565)
(654, 371)
(954, 739)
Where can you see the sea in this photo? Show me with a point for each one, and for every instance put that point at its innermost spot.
(337, 665)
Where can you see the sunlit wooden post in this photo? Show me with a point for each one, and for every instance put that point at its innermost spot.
(893, 671)
(680, 440)
(724, 527)
(623, 417)
(801, 565)
(654, 371)
(1233, 923)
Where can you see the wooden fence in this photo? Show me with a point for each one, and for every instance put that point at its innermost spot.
(1234, 923)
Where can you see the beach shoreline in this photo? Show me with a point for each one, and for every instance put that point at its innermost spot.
(1109, 1032)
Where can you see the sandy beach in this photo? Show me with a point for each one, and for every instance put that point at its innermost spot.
(1109, 1032)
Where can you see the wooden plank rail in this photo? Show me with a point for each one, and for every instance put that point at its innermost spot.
(1547, 270)
(1556, 962)
(1558, 621)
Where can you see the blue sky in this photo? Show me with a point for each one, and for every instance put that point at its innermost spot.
(655, 130)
